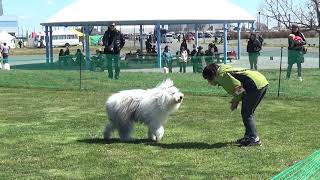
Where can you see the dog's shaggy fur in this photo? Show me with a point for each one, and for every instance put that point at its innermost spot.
(151, 107)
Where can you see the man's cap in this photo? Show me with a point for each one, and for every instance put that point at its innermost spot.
(294, 25)
(113, 24)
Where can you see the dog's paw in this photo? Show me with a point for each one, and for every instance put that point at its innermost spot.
(160, 133)
(153, 138)
(157, 135)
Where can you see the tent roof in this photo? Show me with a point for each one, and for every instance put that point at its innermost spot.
(148, 12)
(8, 18)
(6, 36)
(80, 34)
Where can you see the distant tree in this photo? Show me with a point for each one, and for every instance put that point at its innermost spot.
(263, 27)
(303, 12)
(243, 28)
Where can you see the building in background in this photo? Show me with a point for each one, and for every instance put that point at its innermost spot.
(8, 23)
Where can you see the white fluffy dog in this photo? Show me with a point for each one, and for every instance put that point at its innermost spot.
(6, 66)
(151, 107)
(165, 70)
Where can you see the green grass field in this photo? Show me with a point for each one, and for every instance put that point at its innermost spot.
(52, 130)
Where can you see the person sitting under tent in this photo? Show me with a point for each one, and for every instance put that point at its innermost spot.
(79, 58)
(61, 58)
(98, 61)
(148, 45)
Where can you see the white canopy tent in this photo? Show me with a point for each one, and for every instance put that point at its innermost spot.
(7, 38)
(148, 12)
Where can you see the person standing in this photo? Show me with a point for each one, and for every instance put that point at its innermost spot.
(167, 58)
(5, 52)
(148, 45)
(296, 51)
(185, 45)
(20, 43)
(253, 48)
(245, 85)
(113, 41)
(210, 54)
(194, 61)
(183, 59)
(200, 59)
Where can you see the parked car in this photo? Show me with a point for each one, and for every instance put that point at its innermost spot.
(167, 38)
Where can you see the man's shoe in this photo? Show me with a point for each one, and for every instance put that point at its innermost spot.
(241, 140)
(251, 142)
(300, 78)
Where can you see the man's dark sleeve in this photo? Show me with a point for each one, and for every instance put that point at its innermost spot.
(104, 39)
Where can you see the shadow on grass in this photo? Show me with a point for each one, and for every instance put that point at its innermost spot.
(191, 145)
(182, 145)
(43, 66)
(112, 141)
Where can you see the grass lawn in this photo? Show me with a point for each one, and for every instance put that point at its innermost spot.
(51, 130)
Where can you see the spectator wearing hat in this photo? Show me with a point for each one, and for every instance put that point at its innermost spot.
(113, 42)
(295, 51)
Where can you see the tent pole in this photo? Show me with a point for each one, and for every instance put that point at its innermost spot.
(159, 45)
(196, 34)
(141, 39)
(51, 46)
(225, 39)
(47, 43)
(239, 40)
(86, 30)
(134, 35)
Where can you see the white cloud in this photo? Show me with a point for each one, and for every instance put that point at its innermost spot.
(50, 2)
(24, 17)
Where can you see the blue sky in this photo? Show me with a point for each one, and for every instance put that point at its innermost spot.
(32, 12)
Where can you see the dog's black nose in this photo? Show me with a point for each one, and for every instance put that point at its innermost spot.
(181, 97)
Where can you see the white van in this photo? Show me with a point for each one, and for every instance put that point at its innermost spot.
(167, 38)
(59, 39)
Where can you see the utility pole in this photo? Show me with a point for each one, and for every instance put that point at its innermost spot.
(267, 23)
(279, 23)
(1, 9)
(259, 22)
